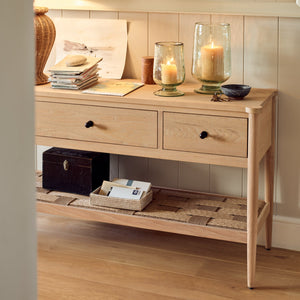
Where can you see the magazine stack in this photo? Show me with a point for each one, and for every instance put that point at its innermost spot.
(75, 72)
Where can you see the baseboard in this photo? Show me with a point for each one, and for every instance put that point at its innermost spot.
(285, 233)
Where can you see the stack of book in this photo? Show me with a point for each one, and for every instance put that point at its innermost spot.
(113, 87)
(64, 76)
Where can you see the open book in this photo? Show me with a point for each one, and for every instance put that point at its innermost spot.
(113, 87)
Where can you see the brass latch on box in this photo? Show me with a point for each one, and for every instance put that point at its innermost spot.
(66, 165)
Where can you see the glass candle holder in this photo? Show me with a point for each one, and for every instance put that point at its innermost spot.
(168, 69)
(211, 56)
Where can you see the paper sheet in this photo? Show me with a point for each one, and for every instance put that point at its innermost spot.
(95, 37)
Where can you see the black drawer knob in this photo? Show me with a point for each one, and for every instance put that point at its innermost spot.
(89, 124)
(203, 134)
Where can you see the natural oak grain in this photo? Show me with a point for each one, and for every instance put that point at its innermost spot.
(144, 97)
(140, 151)
(226, 136)
(252, 196)
(142, 222)
(88, 260)
(111, 125)
(158, 122)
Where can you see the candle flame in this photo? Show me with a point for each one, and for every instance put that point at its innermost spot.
(171, 61)
(212, 44)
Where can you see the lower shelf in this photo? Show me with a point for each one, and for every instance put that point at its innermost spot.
(191, 213)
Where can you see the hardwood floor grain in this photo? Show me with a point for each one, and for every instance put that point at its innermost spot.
(89, 260)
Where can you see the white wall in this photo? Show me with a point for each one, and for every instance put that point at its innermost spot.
(17, 201)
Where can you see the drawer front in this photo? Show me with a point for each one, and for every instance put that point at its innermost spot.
(122, 126)
(225, 135)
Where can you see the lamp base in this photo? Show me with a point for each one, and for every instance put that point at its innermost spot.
(168, 92)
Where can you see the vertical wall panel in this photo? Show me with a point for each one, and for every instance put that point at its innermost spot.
(288, 179)
(260, 64)
(226, 180)
(53, 14)
(94, 14)
(237, 47)
(186, 35)
(39, 156)
(193, 176)
(75, 14)
(163, 172)
(162, 27)
(113, 166)
(132, 167)
(137, 24)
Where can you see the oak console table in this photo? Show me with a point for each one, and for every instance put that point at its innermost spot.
(190, 128)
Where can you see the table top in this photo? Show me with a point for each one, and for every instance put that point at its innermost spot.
(252, 103)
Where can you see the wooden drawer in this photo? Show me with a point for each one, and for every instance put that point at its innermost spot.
(225, 135)
(111, 125)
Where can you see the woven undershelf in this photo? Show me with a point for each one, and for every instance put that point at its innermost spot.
(188, 207)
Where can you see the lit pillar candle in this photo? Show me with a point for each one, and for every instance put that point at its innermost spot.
(168, 73)
(212, 61)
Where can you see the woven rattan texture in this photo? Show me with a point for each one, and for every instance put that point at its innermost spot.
(44, 39)
(188, 207)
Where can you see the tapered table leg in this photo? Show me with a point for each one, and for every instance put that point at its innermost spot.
(252, 200)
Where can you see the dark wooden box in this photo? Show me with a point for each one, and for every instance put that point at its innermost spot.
(74, 171)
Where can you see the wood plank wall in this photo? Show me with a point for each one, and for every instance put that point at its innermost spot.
(265, 53)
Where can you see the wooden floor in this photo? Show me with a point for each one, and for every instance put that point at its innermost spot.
(88, 260)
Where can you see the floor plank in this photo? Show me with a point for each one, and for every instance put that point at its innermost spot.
(65, 287)
(89, 260)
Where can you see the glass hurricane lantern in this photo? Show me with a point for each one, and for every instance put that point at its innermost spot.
(168, 69)
(211, 56)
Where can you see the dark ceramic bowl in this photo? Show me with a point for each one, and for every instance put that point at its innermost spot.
(235, 91)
